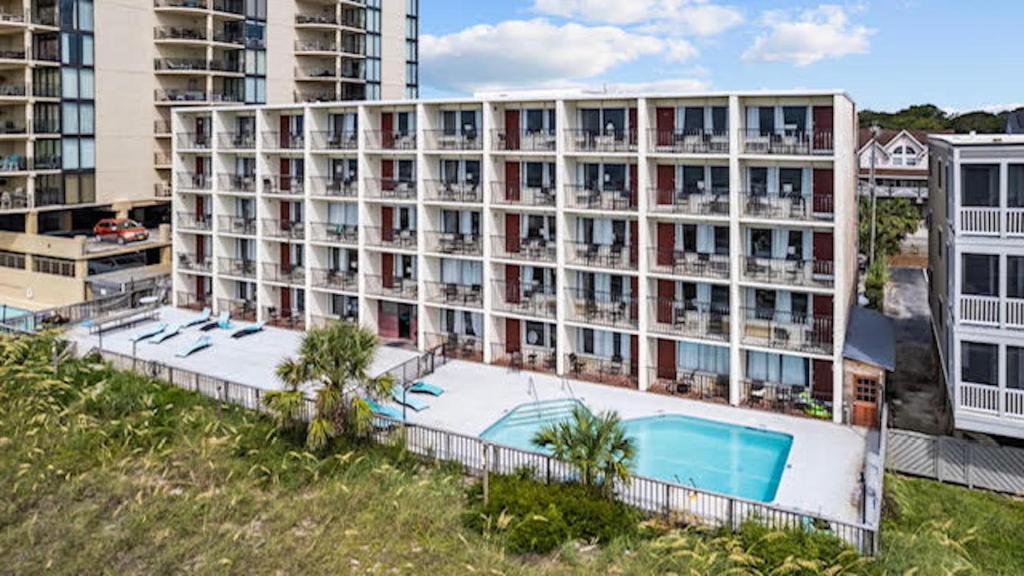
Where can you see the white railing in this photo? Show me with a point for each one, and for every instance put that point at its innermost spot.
(1013, 403)
(1014, 316)
(979, 397)
(985, 221)
(982, 310)
(1015, 221)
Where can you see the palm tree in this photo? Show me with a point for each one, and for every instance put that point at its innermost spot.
(596, 445)
(333, 361)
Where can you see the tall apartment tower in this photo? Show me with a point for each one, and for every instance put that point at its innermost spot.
(976, 273)
(702, 245)
(86, 93)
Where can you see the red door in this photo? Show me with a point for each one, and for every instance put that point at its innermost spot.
(634, 356)
(286, 257)
(823, 123)
(284, 214)
(634, 242)
(665, 120)
(632, 126)
(512, 129)
(824, 259)
(387, 175)
(200, 249)
(286, 128)
(822, 324)
(822, 379)
(388, 323)
(200, 207)
(513, 336)
(512, 233)
(666, 244)
(633, 184)
(666, 299)
(286, 175)
(634, 293)
(823, 191)
(666, 359)
(200, 174)
(387, 270)
(201, 290)
(512, 181)
(512, 295)
(200, 129)
(286, 303)
(666, 183)
(387, 223)
(387, 130)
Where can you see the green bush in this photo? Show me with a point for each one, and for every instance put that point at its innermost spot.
(538, 532)
(874, 285)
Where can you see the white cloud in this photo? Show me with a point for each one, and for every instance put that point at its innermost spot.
(673, 17)
(811, 36)
(534, 54)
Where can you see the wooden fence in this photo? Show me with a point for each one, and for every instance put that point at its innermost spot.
(957, 461)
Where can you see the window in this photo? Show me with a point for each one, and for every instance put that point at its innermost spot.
(980, 185)
(979, 363)
(1015, 368)
(791, 182)
(980, 275)
(1015, 277)
(795, 118)
(1015, 190)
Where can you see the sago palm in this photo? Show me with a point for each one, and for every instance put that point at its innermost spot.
(597, 446)
(333, 361)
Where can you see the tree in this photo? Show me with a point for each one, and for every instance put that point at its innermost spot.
(896, 217)
(333, 361)
(596, 445)
(874, 285)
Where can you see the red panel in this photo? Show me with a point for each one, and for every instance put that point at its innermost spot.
(666, 359)
(822, 379)
(512, 181)
(414, 321)
(634, 242)
(284, 212)
(823, 124)
(512, 129)
(286, 172)
(513, 336)
(822, 323)
(666, 183)
(387, 324)
(634, 303)
(666, 244)
(387, 174)
(286, 128)
(665, 120)
(824, 253)
(286, 256)
(200, 206)
(666, 297)
(286, 303)
(200, 248)
(200, 288)
(387, 128)
(512, 288)
(823, 191)
(387, 223)
(633, 184)
(387, 269)
(200, 165)
(512, 233)
(634, 355)
(632, 126)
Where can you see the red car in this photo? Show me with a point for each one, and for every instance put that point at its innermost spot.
(120, 230)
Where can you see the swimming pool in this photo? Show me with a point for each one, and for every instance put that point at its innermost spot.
(715, 456)
(8, 315)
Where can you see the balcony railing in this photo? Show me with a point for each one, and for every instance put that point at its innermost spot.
(390, 189)
(330, 140)
(273, 140)
(334, 187)
(991, 221)
(618, 256)
(285, 229)
(524, 140)
(787, 206)
(284, 185)
(181, 64)
(684, 263)
(455, 192)
(792, 272)
(397, 238)
(193, 141)
(468, 140)
(527, 358)
(525, 249)
(192, 263)
(179, 95)
(581, 140)
(321, 19)
(304, 46)
(324, 321)
(237, 183)
(244, 310)
(14, 200)
(392, 287)
(237, 140)
(454, 243)
(689, 319)
(333, 279)
(292, 274)
(786, 399)
(600, 369)
(530, 299)
(179, 33)
(458, 346)
(691, 384)
(604, 308)
(1014, 315)
(583, 197)
(1003, 402)
(335, 232)
(232, 7)
(688, 141)
(287, 318)
(468, 295)
(390, 140)
(513, 194)
(788, 331)
(12, 90)
(237, 267)
(189, 181)
(238, 225)
(192, 301)
(980, 310)
(714, 202)
(194, 222)
(789, 142)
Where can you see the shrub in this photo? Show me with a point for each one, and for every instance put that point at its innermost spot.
(874, 285)
(538, 532)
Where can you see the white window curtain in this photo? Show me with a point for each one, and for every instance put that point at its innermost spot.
(774, 187)
(705, 239)
(702, 357)
(807, 180)
(753, 117)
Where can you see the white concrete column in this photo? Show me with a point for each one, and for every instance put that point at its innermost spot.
(643, 176)
(365, 312)
(736, 367)
(563, 235)
(421, 222)
(488, 225)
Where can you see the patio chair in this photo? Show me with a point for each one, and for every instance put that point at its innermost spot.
(248, 330)
(421, 387)
(204, 316)
(201, 343)
(149, 333)
(402, 398)
(167, 334)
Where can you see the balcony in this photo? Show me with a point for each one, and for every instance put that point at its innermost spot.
(237, 183)
(14, 91)
(334, 188)
(179, 33)
(392, 287)
(179, 96)
(602, 308)
(283, 141)
(398, 239)
(238, 225)
(316, 20)
(583, 197)
(992, 311)
(458, 346)
(688, 141)
(600, 369)
(529, 249)
(390, 140)
(528, 299)
(335, 233)
(287, 318)
(689, 319)
(191, 263)
(453, 192)
(180, 65)
(390, 189)
(534, 359)
(12, 54)
(284, 185)
(790, 272)
(192, 301)
(193, 141)
(613, 141)
(192, 182)
(17, 199)
(318, 46)
(690, 202)
(284, 229)
(512, 194)
(691, 264)
(786, 399)
(466, 140)
(991, 221)
(788, 331)
(333, 279)
(454, 243)
(524, 140)
(324, 321)
(691, 384)
(328, 140)
(991, 400)
(192, 222)
(237, 268)
(590, 255)
(236, 141)
(291, 274)
(787, 143)
(788, 207)
(239, 309)
(465, 295)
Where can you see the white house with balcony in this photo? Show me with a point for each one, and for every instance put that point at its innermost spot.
(976, 196)
(901, 164)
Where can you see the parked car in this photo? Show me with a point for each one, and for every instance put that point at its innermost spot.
(120, 230)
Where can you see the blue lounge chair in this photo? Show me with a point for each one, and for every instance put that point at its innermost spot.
(203, 318)
(223, 322)
(422, 387)
(199, 344)
(408, 400)
(248, 330)
(382, 410)
(150, 333)
(167, 334)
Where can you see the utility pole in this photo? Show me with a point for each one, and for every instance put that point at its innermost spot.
(874, 199)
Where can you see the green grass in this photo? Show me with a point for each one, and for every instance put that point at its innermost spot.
(108, 473)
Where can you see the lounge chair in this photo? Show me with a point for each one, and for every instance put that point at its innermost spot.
(150, 333)
(381, 410)
(167, 334)
(203, 317)
(248, 330)
(422, 387)
(223, 322)
(199, 344)
(408, 400)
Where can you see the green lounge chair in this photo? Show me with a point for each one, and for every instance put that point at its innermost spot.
(382, 410)
(167, 334)
(203, 318)
(248, 330)
(408, 400)
(422, 387)
(150, 333)
(200, 343)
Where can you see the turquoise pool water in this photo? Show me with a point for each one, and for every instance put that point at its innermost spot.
(711, 455)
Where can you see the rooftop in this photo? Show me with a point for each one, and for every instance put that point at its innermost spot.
(979, 139)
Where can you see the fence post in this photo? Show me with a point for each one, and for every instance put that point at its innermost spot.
(170, 374)
(668, 500)
(938, 459)
(731, 511)
(547, 472)
(969, 465)
(487, 487)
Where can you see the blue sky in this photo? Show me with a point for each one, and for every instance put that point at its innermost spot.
(887, 54)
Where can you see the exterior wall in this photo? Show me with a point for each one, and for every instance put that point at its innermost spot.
(281, 61)
(392, 45)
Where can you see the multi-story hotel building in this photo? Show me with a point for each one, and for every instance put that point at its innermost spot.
(703, 244)
(86, 93)
(976, 274)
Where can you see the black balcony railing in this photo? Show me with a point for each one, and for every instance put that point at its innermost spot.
(593, 197)
(468, 295)
(334, 279)
(604, 308)
(614, 371)
(335, 232)
(619, 256)
(515, 194)
(392, 287)
(455, 243)
(193, 301)
(529, 249)
(531, 299)
(390, 140)
(689, 141)
(456, 192)
(583, 140)
(237, 267)
(237, 140)
(787, 142)
(194, 222)
(284, 229)
(284, 185)
(193, 141)
(790, 271)
(795, 400)
(330, 140)
(193, 181)
(390, 189)
(239, 225)
(193, 263)
(287, 318)
(692, 202)
(458, 346)
(524, 140)
(685, 263)
(466, 139)
(691, 384)
(239, 309)
(292, 274)
(524, 357)
(788, 330)
(335, 187)
(397, 238)
(237, 183)
(179, 33)
(795, 206)
(179, 95)
(284, 140)
(690, 318)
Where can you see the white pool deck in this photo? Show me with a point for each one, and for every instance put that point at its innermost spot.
(822, 474)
